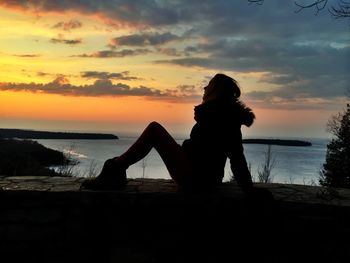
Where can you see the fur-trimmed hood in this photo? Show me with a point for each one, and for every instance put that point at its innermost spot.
(246, 114)
(233, 110)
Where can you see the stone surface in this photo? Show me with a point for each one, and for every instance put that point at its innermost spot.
(50, 219)
(281, 192)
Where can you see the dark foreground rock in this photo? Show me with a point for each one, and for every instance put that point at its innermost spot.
(49, 219)
(26, 157)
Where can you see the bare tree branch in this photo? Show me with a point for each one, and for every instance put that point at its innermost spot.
(341, 10)
(318, 5)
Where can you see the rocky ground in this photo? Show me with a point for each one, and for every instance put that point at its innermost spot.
(50, 219)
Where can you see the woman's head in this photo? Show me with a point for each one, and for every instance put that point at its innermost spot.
(221, 87)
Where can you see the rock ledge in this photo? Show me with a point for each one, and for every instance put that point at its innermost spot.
(50, 219)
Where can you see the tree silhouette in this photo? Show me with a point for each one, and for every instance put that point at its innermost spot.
(336, 169)
(339, 10)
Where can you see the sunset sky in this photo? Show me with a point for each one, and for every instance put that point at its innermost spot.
(115, 65)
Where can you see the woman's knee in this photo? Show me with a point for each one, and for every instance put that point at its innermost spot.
(155, 125)
(155, 130)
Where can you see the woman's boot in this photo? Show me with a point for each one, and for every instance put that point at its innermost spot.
(112, 177)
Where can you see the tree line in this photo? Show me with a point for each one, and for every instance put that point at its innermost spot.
(31, 134)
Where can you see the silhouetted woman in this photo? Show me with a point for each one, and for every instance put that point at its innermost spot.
(200, 161)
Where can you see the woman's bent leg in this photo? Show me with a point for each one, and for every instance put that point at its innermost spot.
(172, 154)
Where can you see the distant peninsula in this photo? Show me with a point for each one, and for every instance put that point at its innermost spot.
(32, 134)
(277, 142)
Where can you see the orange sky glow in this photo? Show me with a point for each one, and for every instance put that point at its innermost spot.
(74, 68)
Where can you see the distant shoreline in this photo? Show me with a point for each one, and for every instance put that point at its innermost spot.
(32, 134)
(277, 142)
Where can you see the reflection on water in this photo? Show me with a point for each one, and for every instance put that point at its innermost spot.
(298, 165)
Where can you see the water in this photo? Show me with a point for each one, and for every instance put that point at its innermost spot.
(298, 165)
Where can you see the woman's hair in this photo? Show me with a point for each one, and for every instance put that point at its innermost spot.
(228, 86)
(222, 87)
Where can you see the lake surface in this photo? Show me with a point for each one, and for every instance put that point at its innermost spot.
(298, 165)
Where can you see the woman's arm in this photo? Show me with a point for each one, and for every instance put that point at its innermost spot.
(238, 161)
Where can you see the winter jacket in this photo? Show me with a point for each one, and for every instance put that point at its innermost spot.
(215, 137)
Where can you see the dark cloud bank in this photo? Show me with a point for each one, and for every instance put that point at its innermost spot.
(306, 56)
(103, 86)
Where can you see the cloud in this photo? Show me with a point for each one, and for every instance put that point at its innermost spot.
(279, 78)
(190, 62)
(156, 40)
(43, 74)
(265, 55)
(189, 91)
(27, 55)
(52, 75)
(68, 26)
(106, 75)
(216, 18)
(103, 87)
(65, 41)
(146, 39)
(131, 13)
(191, 49)
(114, 53)
(317, 70)
(301, 56)
(170, 52)
(266, 99)
(174, 52)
